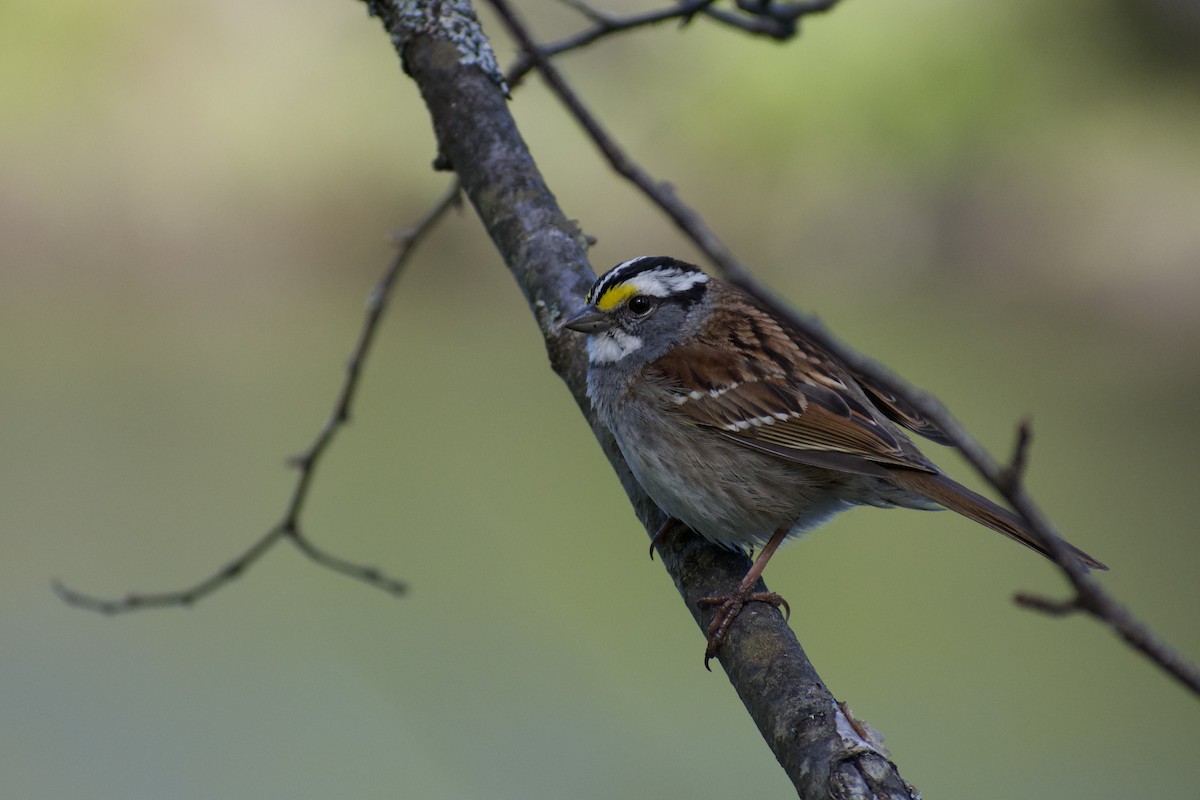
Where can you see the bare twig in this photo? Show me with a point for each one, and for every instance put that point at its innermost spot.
(1089, 595)
(603, 25)
(776, 21)
(184, 597)
(306, 463)
(1054, 608)
(1014, 473)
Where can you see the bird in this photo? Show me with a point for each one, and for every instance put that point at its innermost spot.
(745, 429)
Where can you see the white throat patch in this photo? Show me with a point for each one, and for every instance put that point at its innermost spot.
(611, 346)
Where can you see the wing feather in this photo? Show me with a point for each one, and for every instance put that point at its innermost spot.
(811, 413)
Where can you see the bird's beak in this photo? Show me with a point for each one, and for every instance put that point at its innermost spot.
(589, 320)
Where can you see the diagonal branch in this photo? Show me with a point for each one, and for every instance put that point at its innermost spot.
(439, 44)
(1089, 596)
(288, 527)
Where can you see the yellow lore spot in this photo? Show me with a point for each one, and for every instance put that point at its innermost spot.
(614, 296)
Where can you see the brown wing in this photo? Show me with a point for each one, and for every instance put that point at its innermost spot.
(894, 408)
(899, 410)
(780, 398)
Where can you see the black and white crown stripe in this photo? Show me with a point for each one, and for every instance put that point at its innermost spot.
(656, 276)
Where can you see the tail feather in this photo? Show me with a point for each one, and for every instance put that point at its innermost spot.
(956, 497)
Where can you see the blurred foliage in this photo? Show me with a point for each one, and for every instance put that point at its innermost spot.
(1000, 200)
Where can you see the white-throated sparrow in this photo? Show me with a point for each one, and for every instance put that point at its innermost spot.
(744, 429)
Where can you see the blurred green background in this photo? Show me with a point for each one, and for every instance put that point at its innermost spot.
(1001, 201)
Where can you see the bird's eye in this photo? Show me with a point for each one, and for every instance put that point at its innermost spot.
(640, 304)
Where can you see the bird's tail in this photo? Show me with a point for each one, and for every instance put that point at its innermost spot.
(956, 497)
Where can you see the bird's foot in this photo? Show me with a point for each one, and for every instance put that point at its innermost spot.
(729, 607)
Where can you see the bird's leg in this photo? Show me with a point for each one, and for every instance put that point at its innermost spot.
(730, 605)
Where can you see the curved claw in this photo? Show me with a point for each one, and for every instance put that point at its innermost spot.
(731, 606)
(660, 534)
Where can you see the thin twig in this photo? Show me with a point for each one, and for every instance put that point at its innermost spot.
(368, 575)
(1014, 473)
(1054, 608)
(775, 21)
(184, 597)
(288, 528)
(602, 25)
(1089, 595)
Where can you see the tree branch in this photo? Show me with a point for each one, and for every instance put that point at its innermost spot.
(440, 44)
